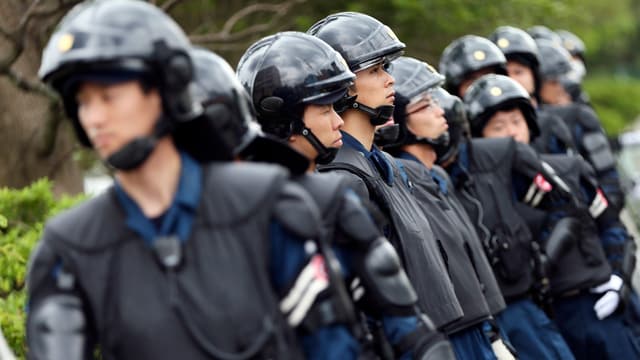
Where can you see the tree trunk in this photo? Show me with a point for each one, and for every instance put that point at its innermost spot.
(26, 119)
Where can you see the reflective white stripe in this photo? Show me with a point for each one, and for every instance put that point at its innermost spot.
(312, 281)
(598, 205)
(537, 199)
(302, 308)
(533, 189)
(302, 282)
(357, 291)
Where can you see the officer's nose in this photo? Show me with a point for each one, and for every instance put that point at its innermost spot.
(337, 120)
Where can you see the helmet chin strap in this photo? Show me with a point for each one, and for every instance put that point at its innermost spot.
(442, 140)
(137, 151)
(325, 154)
(377, 116)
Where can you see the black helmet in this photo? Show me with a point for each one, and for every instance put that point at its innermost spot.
(363, 42)
(414, 78)
(456, 115)
(466, 55)
(538, 32)
(492, 93)
(570, 41)
(226, 116)
(555, 61)
(118, 39)
(227, 127)
(515, 44)
(286, 71)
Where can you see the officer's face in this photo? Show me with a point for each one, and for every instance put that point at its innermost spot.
(113, 115)
(374, 86)
(552, 92)
(507, 123)
(469, 79)
(522, 74)
(426, 118)
(325, 124)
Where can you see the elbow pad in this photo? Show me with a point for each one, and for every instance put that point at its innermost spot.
(387, 289)
(562, 238)
(598, 151)
(628, 264)
(57, 329)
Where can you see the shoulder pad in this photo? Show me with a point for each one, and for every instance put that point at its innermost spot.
(91, 226)
(527, 161)
(296, 211)
(587, 117)
(324, 188)
(487, 153)
(42, 261)
(241, 189)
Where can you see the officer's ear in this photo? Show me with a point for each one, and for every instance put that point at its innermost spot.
(352, 89)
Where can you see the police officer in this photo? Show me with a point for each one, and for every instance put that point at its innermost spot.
(294, 103)
(368, 47)
(577, 265)
(161, 264)
(480, 171)
(422, 136)
(523, 65)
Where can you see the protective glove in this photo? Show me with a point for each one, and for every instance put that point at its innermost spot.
(501, 350)
(609, 302)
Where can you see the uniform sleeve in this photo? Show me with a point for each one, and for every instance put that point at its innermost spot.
(58, 323)
(299, 275)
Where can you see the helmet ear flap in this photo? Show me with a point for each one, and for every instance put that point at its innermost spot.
(178, 71)
(175, 66)
(271, 106)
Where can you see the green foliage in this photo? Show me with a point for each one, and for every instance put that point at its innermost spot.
(615, 99)
(22, 216)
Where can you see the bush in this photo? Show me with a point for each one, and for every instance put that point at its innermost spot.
(22, 216)
(615, 99)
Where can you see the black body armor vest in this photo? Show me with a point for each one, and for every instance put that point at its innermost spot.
(463, 223)
(456, 250)
(218, 303)
(408, 230)
(583, 265)
(488, 195)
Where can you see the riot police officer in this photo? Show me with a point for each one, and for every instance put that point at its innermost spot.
(163, 262)
(582, 283)
(294, 104)
(368, 47)
(422, 136)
